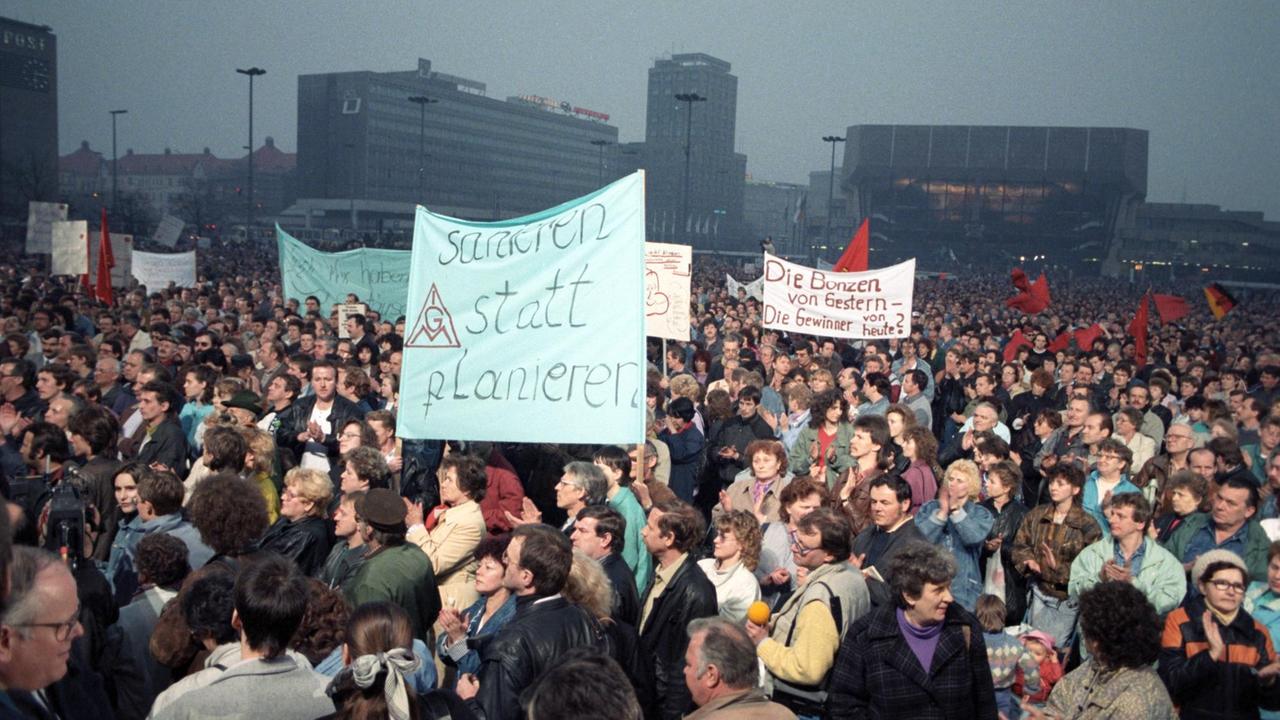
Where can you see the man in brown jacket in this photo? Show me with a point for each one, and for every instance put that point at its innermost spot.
(720, 670)
(1050, 537)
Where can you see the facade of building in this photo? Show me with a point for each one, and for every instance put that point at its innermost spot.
(363, 141)
(769, 209)
(713, 219)
(987, 195)
(1182, 240)
(28, 116)
(201, 188)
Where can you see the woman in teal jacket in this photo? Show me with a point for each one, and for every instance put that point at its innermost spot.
(825, 442)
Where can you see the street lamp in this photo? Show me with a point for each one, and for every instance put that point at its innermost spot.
(602, 144)
(831, 189)
(252, 73)
(688, 99)
(114, 157)
(422, 101)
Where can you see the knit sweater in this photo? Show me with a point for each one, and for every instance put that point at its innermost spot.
(1006, 655)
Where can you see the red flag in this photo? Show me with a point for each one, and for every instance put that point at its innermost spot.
(1138, 329)
(1060, 343)
(1170, 308)
(1032, 297)
(102, 289)
(1016, 341)
(856, 256)
(1085, 336)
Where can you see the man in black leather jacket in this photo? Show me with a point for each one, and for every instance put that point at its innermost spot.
(544, 628)
(680, 592)
(298, 434)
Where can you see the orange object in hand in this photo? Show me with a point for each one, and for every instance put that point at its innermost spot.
(759, 613)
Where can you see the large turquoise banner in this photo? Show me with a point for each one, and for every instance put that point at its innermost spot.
(379, 277)
(530, 329)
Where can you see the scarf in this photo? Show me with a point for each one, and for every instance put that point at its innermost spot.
(397, 663)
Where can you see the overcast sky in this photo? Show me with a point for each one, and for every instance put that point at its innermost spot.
(1202, 77)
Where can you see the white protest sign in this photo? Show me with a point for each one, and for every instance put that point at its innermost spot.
(168, 230)
(754, 289)
(156, 271)
(667, 272)
(530, 329)
(40, 219)
(121, 252)
(346, 310)
(70, 246)
(871, 304)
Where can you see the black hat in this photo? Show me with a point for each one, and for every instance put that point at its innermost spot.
(245, 400)
(383, 510)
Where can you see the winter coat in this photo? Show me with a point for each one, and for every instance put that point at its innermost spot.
(400, 574)
(1205, 688)
(1256, 543)
(294, 419)
(1091, 693)
(686, 459)
(877, 675)
(735, 432)
(1076, 532)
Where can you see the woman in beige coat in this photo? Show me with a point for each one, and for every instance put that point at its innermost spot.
(450, 532)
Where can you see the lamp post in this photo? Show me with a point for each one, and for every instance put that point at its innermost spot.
(114, 158)
(422, 101)
(688, 99)
(602, 144)
(831, 191)
(252, 73)
(351, 184)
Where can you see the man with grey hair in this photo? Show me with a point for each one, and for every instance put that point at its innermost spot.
(37, 632)
(720, 671)
(106, 375)
(582, 484)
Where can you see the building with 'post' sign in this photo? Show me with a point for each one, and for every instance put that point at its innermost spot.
(28, 116)
(989, 197)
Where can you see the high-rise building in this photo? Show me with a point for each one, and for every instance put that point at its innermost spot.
(773, 209)
(28, 116)
(710, 215)
(363, 142)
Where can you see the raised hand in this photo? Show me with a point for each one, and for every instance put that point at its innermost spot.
(1217, 648)
(413, 512)
(726, 502)
(1050, 560)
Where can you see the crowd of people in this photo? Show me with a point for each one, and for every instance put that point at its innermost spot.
(211, 515)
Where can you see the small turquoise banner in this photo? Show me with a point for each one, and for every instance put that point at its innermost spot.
(378, 277)
(530, 329)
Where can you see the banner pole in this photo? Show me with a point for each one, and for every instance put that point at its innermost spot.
(664, 357)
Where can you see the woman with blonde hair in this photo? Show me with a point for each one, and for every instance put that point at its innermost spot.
(736, 553)
(589, 588)
(301, 534)
(260, 467)
(956, 522)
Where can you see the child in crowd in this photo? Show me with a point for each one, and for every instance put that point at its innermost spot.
(1040, 645)
(1007, 657)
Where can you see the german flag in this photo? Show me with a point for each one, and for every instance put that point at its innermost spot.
(1220, 301)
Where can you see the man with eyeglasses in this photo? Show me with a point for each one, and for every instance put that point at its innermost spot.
(1153, 477)
(1231, 525)
(37, 633)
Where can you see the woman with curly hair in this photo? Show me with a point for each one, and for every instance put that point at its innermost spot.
(1122, 633)
(230, 514)
(822, 448)
(736, 553)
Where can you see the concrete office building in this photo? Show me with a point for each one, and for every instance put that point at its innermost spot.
(716, 173)
(769, 210)
(360, 163)
(28, 117)
(989, 195)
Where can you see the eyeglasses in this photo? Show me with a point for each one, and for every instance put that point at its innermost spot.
(1227, 585)
(798, 547)
(61, 630)
(350, 435)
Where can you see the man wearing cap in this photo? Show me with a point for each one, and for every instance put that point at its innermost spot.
(393, 571)
(244, 407)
